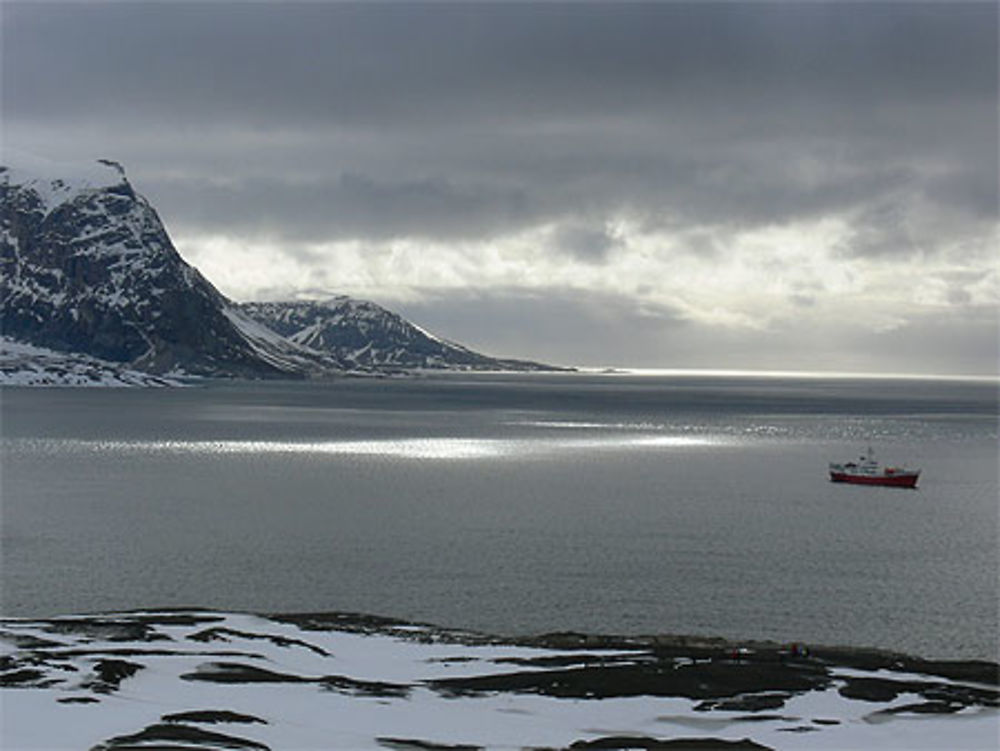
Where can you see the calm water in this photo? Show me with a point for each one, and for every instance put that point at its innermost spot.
(516, 505)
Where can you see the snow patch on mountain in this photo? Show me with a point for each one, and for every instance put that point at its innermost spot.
(58, 182)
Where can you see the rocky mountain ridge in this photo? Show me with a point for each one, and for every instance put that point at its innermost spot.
(367, 335)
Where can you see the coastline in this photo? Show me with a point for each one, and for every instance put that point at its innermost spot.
(199, 679)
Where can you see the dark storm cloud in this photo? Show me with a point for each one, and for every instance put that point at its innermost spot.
(368, 62)
(470, 120)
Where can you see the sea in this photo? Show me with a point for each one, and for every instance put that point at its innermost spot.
(517, 504)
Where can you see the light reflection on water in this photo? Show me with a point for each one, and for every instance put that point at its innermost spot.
(396, 448)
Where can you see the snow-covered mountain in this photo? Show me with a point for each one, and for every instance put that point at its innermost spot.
(368, 335)
(86, 266)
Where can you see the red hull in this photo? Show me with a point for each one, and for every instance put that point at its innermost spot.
(907, 480)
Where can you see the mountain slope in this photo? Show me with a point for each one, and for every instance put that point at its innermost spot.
(87, 266)
(368, 335)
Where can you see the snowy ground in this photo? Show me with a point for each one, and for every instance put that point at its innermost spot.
(203, 680)
(27, 365)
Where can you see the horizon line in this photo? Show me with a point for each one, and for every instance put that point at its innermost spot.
(767, 373)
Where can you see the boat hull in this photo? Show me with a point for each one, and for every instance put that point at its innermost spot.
(899, 480)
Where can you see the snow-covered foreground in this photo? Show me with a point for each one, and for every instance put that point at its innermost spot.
(204, 680)
(24, 364)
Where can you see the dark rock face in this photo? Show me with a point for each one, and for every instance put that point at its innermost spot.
(87, 266)
(368, 335)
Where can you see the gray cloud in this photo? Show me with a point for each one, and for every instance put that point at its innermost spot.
(450, 119)
(601, 330)
(371, 63)
(346, 205)
(587, 243)
(309, 122)
(584, 328)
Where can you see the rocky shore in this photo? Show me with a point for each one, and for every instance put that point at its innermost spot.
(194, 679)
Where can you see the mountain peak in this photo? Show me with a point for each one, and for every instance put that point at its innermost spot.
(56, 183)
(114, 165)
(87, 266)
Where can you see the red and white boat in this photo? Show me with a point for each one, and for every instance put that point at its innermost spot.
(867, 471)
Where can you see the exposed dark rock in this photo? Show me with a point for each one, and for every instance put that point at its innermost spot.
(929, 707)
(749, 703)
(109, 675)
(232, 672)
(170, 732)
(765, 718)
(412, 744)
(28, 641)
(228, 672)
(671, 744)
(334, 621)
(573, 659)
(105, 629)
(364, 688)
(23, 677)
(178, 618)
(213, 716)
(280, 641)
(138, 652)
(877, 689)
(710, 680)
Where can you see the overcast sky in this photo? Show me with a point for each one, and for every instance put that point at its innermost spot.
(732, 185)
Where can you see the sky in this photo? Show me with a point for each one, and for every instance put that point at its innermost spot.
(779, 186)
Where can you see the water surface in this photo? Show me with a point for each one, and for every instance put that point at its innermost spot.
(516, 504)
